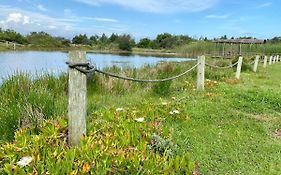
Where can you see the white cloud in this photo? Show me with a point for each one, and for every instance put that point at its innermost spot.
(25, 21)
(14, 17)
(217, 16)
(264, 5)
(41, 7)
(52, 27)
(157, 6)
(101, 19)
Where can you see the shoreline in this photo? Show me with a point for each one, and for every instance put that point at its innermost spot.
(135, 51)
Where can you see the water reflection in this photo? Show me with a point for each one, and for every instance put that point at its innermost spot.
(36, 63)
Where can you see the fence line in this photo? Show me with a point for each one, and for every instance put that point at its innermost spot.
(78, 68)
(218, 67)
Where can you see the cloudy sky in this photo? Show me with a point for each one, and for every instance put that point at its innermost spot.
(144, 18)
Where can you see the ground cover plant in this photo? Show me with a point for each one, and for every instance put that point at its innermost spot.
(233, 127)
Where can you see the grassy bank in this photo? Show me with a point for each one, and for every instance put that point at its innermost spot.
(231, 128)
(136, 51)
(189, 50)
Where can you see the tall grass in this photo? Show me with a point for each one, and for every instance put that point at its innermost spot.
(23, 99)
(232, 121)
(26, 100)
(210, 48)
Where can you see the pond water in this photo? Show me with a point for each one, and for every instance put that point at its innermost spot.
(36, 63)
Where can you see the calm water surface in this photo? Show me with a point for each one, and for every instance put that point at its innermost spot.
(36, 63)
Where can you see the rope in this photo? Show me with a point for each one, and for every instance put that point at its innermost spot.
(147, 81)
(251, 63)
(218, 67)
(88, 68)
(85, 68)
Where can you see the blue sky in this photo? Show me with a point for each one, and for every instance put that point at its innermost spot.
(144, 18)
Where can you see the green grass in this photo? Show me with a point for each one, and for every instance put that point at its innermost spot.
(227, 129)
(232, 130)
(210, 48)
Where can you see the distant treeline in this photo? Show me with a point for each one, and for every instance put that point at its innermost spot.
(114, 41)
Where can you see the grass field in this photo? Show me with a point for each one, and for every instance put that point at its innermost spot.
(233, 127)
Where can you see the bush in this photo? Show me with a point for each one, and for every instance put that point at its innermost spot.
(125, 43)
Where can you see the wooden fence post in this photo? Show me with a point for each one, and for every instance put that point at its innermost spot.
(274, 59)
(270, 60)
(265, 62)
(256, 63)
(239, 66)
(201, 73)
(277, 60)
(77, 100)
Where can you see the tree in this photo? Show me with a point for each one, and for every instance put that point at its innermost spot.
(12, 36)
(125, 42)
(113, 37)
(94, 39)
(64, 41)
(103, 39)
(144, 43)
(275, 40)
(168, 41)
(81, 39)
(224, 37)
(43, 39)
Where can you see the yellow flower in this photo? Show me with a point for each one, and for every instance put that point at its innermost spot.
(74, 172)
(86, 168)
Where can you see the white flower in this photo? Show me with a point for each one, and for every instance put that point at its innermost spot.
(119, 109)
(24, 161)
(174, 112)
(164, 103)
(139, 119)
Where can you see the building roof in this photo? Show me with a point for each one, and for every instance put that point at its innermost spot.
(240, 41)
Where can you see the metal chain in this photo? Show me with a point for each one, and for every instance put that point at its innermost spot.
(218, 67)
(88, 68)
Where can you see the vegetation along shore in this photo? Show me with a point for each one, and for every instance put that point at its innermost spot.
(164, 43)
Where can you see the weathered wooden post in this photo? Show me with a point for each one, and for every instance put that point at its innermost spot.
(223, 50)
(256, 63)
(265, 61)
(277, 60)
(270, 60)
(239, 67)
(274, 59)
(201, 73)
(77, 100)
